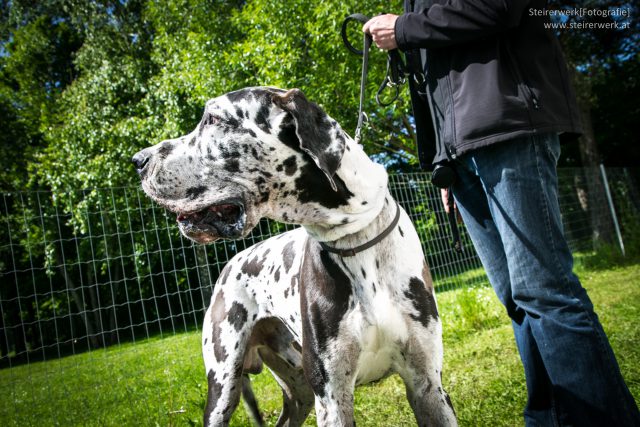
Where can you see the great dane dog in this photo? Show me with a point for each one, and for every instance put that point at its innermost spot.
(344, 300)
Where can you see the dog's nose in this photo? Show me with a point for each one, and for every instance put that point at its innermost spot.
(140, 160)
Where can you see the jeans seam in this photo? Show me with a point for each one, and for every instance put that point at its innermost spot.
(547, 219)
(537, 140)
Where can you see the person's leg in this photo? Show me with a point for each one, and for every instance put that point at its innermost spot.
(474, 209)
(520, 182)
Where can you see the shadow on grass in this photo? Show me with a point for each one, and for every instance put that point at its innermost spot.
(606, 257)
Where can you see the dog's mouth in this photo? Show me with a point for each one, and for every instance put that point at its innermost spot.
(225, 220)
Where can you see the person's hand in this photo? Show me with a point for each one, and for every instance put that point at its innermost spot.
(382, 29)
(444, 196)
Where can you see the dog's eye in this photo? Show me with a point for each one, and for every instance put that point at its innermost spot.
(210, 119)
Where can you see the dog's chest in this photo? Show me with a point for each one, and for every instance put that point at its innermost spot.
(381, 330)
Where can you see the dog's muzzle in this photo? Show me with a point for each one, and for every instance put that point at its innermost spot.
(225, 220)
(140, 160)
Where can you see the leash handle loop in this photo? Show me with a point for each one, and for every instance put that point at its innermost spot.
(366, 42)
(359, 17)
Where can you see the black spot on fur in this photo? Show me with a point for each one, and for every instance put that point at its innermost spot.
(232, 166)
(276, 275)
(165, 149)
(401, 232)
(194, 192)
(231, 121)
(313, 186)
(218, 314)
(253, 267)
(224, 275)
(294, 284)
(237, 315)
(288, 135)
(288, 254)
(215, 391)
(448, 401)
(229, 154)
(290, 166)
(239, 95)
(262, 118)
(423, 301)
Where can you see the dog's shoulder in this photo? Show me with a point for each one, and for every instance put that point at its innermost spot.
(273, 257)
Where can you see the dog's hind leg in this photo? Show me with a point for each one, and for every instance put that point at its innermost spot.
(225, 336)
(252, 365)
(283, 356)
(297, 397)
(251, 404)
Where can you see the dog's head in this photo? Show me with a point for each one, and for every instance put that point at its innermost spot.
(256, 152)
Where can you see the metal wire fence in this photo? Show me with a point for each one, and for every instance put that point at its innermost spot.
(89, 269)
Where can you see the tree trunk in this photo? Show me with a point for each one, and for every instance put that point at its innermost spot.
(77, 299)
(596, 200)
(95, 306)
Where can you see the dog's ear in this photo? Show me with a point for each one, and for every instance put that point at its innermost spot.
(314, 131)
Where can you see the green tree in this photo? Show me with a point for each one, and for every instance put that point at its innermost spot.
(37, 46)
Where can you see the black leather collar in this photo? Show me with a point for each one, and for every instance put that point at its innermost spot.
(352, 251)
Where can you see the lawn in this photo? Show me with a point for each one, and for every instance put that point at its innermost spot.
(161, 381)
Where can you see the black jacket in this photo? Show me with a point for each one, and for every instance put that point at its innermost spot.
(493, 72)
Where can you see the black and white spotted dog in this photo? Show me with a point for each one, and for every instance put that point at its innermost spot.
(321, 319)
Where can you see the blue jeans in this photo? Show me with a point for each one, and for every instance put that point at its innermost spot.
(507, 196)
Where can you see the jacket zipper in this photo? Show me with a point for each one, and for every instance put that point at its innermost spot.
(450, 150)
(520, 77)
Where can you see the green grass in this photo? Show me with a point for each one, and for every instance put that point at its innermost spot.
(162, 381)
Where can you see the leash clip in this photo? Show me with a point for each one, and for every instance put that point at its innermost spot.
(362, 118)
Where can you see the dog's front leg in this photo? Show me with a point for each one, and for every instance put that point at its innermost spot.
(329, 354)
(332, 376)
(329, 359)
(225, 336)
(422, 376)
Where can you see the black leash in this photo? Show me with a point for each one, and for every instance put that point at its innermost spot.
(395, 76)
(453, 222)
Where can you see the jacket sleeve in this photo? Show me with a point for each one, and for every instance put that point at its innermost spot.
(457, 21)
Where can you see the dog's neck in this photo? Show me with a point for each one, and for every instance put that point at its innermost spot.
(379, 229)
(369, 181)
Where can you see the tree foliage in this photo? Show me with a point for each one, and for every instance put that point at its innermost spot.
(84, 84)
